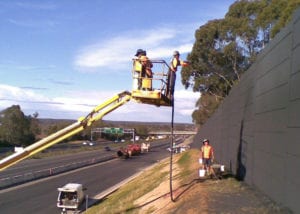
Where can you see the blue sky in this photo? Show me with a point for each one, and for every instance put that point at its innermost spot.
(61, 58)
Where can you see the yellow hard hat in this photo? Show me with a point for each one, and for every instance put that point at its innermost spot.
(144, 58)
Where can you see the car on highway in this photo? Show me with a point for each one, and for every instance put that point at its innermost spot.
(85, 142)
(133, 149)
(70, 197)
(130, 150)
(179, 149)
(107, 148)
(90, 143)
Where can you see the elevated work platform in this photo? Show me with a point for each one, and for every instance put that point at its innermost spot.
(151, 97)
(152, 90)
(83, 122)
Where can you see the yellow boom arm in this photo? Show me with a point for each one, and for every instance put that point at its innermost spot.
(96, 114)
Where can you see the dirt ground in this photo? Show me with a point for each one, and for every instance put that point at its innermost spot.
(221, 196)
(207, 195)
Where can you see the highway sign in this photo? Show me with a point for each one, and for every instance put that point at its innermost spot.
(113, 130)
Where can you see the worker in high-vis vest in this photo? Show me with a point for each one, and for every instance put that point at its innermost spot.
(146, 73)
(175, 62)
(207, 155)
(137, 69)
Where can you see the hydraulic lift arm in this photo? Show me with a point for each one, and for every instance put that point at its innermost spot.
(96, 114)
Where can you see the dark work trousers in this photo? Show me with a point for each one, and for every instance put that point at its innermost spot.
(171, 82)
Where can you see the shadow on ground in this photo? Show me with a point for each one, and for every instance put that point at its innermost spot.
(179, 192)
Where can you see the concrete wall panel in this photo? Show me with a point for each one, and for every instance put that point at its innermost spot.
(292, 142)
(275, 99)
(257, 127)
(276, 55)
(295, 86)
(295, 60)
(293, 114)
(274, 121)
(292, 197)
(296, 29)
(277, 77)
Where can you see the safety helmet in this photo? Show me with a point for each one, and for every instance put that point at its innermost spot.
(205, 140)
(139, 51)
(175, 53)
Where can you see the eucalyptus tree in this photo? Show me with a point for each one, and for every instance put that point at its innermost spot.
(15, 128)
(225, 48)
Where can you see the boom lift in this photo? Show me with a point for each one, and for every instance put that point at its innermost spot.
(158, 95)
(156, 92)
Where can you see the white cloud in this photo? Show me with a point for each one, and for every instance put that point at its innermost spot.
(109, 54)
(185, 101)
(33, 23)
(10, 93)
(117, 51)
(70, 107)
(36, 6)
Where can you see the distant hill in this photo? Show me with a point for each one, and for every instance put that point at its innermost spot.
(45, 123)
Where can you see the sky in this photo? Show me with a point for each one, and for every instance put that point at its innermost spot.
(61, 58)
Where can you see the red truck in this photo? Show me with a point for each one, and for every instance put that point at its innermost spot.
(129, 150)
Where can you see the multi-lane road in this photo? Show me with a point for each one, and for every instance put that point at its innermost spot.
(40, 196)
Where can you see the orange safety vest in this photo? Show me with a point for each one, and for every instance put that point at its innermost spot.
(207, 151)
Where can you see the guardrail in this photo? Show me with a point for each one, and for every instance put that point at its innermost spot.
(39, 174)
(31, 176)
(175, 133)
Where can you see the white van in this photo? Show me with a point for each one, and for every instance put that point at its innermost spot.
(70, 196)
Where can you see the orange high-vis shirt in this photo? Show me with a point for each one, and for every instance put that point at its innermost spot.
(207, 151)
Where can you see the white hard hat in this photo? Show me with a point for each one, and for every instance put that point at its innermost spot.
(205, 140)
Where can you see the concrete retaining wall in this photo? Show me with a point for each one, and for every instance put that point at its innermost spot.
(256, 131)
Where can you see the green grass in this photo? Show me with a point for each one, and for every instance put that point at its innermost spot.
(186, 164)
(185, 168)
(122, 201)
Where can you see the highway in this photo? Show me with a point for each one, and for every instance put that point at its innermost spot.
(32, 165)
(40, 196)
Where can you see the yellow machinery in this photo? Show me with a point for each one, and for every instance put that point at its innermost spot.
(96, 114)
(153, 90)
(157, 95)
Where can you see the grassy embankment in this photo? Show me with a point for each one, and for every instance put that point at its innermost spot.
(140, 193)
(149, 193)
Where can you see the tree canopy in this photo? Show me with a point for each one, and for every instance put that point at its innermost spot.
(225, 48)
(16, 128)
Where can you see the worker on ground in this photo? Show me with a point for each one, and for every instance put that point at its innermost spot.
(146, 73)
(207, 155)
(175, 62)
